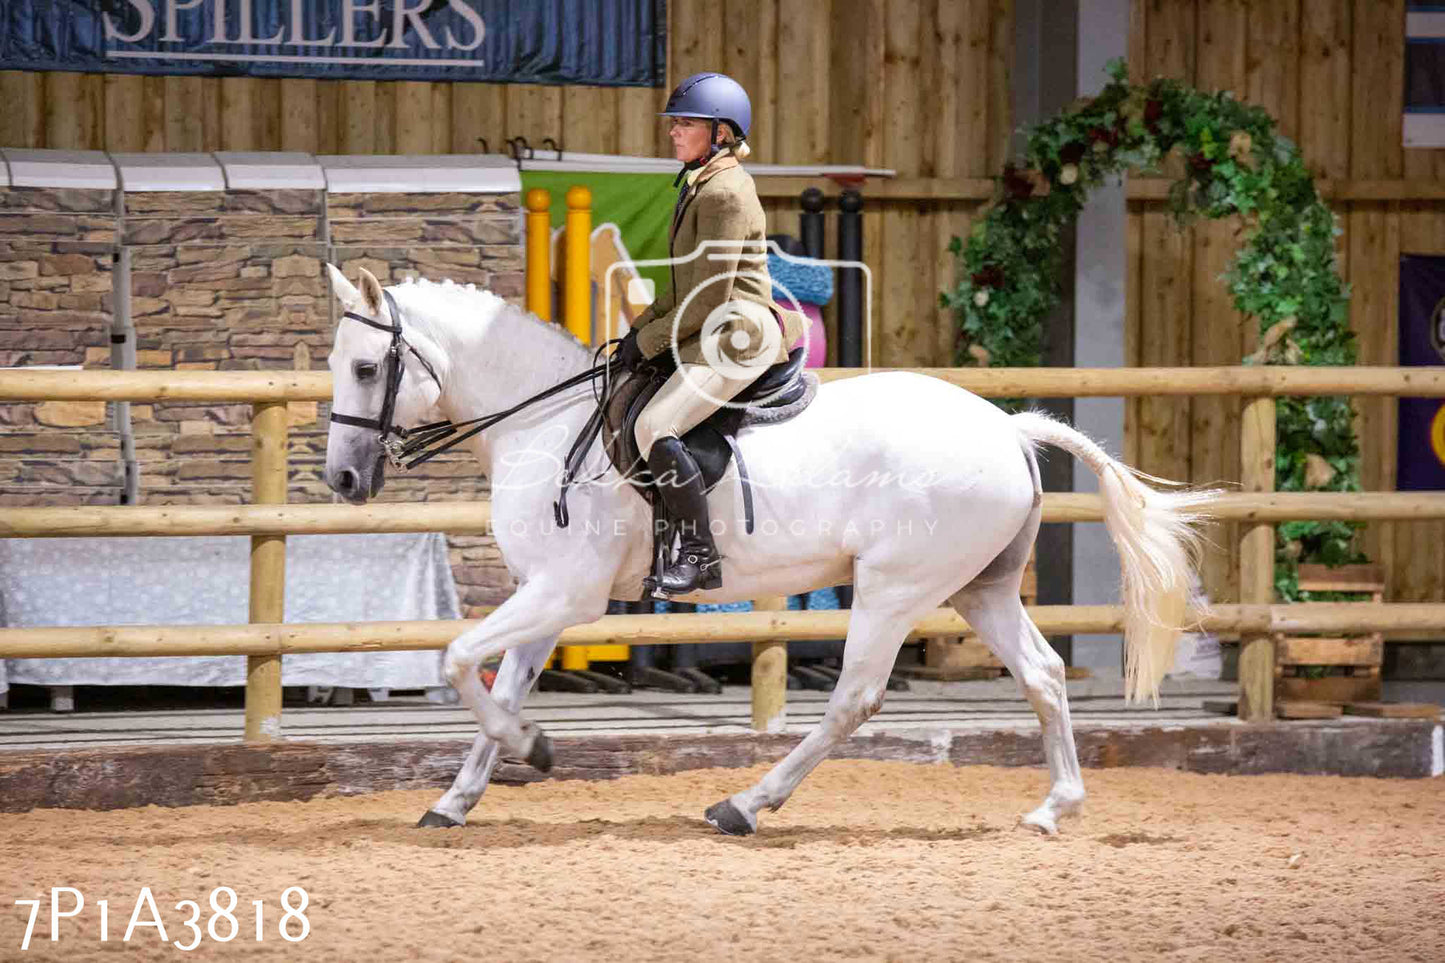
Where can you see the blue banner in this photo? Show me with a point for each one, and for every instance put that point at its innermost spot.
(1421, 446)
(601, 42)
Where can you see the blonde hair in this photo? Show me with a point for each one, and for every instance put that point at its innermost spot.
(740, 148)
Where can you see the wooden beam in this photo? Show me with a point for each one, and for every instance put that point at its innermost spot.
(1265, 381)
(972, 189)
(216, 386)
(770, 674)
(268, 569)
(183, 520)
(296, 637)
(1271, 381)
(1367, 189)
(1256, 560)
(475, 517)
(1266, 506)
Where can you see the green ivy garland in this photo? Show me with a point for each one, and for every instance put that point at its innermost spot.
(1285, 273)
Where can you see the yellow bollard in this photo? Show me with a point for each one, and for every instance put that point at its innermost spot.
(577, 313)
(539, 253)
(577, 266)
(574, 657)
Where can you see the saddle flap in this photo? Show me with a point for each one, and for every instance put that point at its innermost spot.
(619, 420)
(780, 386)
(777, 381)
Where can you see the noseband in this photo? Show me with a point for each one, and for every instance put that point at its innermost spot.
(394, 371)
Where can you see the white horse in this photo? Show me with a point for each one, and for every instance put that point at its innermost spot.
(915, 491)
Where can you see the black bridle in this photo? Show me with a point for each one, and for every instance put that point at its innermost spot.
(395, 368)
(412, 446)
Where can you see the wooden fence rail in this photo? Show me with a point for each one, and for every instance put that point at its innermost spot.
(1257, 506)
(1268, 381)
(293, 638)
(475, 517)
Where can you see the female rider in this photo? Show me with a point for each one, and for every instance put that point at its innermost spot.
(717, 318)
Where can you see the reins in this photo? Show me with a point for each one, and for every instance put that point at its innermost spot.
(413, 446)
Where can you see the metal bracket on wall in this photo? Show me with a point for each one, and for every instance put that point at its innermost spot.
(122, 345)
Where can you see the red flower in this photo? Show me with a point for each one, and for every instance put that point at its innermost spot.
(1015, 184)
(1108, 135)
(1071, 153)
(990, 277)
(1153, 113)
(1201, 165)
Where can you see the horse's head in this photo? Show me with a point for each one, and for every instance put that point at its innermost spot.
(378, 382)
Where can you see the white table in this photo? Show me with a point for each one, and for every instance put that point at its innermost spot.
(204, 580)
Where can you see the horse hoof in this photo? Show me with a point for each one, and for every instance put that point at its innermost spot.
(435, 820)
(1040, 821)
(729, 820)
(540, 758)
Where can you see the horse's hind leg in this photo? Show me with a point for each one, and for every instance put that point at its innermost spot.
(519, 671)
(997, 615)
(879, 623)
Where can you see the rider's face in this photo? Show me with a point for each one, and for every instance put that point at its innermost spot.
(689, 137)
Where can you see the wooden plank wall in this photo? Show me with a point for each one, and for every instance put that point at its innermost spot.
(1330, 71)
(811, 67)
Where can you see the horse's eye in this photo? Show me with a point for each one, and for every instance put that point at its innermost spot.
(365, 370)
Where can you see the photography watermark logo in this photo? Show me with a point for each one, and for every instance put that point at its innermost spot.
(739, 337)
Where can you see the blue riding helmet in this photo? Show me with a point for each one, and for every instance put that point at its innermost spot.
(712, 96)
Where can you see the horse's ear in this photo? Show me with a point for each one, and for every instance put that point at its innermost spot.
(345, 291)
(371, 292)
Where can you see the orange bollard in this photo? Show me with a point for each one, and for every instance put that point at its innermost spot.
(577, 266)
(539, 253)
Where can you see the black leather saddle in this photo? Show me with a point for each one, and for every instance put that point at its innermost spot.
(713, 442)
(779, 393)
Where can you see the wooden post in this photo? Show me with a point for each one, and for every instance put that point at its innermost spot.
(268, 569)
(539, 251)
(577, 266)
(770, 675)
(1256, 560)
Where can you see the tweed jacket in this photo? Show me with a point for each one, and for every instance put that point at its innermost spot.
(720, 206)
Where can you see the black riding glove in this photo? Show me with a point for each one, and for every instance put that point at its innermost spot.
(629, 355)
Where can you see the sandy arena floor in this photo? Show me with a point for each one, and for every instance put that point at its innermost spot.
(868, 861)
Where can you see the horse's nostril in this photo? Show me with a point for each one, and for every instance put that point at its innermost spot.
(346, 480)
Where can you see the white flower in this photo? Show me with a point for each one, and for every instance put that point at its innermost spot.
(1069, 175)
(980, 297)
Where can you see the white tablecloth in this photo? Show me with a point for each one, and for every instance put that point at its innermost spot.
(187, 581)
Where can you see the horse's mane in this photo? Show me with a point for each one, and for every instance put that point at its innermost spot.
(470, 300)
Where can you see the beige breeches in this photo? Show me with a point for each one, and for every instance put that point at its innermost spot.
(684, 401)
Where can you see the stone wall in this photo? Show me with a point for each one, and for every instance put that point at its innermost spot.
(222, 281)
(57, 251)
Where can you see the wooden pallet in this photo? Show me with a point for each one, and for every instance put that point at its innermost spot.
(949, 673)
(974, 673)
(1307, 710)
(1324, 710)
(1353, 664)
(956, 653)
(1394, 710)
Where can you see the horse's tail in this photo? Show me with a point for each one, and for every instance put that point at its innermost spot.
(1155, 533)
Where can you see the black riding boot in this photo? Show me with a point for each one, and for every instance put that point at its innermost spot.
(698, 565)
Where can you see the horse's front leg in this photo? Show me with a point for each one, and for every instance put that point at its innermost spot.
(520, 669)
(532, 613)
